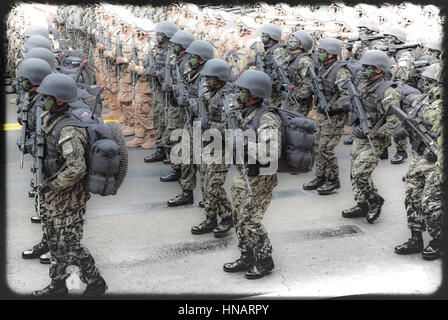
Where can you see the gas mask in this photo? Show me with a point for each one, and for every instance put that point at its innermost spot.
(49, 103)
(390, 39)
(323, 56)
(160, 37)
(212, 82)
(368, 71)
(26, 84)
(294, 44)
(194, 61)
(177, 48)
(242, 96)
(265, 38)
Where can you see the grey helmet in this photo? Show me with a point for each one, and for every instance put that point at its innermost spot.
(37, 41)
(434, 44)
(36, 31)
(274, 31)
(376, 58)
(34, 69)
(60, 86)
(368, 24)
(184, 38)
(396, 31)
(305, 39)
(331, 45)
(201, 48)
(432, 72)
(258, 83)
(41, 53)
(168, 28)
(217, 68)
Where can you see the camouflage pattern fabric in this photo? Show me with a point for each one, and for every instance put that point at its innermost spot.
(301, 80)
(215, 196)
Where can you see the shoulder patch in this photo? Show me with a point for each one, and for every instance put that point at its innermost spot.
(67, 147)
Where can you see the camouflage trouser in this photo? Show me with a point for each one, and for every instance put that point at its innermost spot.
(158, 113)
(188, 170)
(424, 198)
(43, 212)
(304, 107)
(215, 196)
(175, 121)
(143, 120)
(82, 41)
(110, 97)
(65, 232)
(126, 106)
(248, 213)
(326, 138)
(401, 144)
(363, 163)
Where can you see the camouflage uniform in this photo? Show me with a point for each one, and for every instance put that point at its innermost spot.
(423, 182)
(65, 201)
(111, 97)
(327, 135)
(250, 209)
(363, 161)
(299, 63)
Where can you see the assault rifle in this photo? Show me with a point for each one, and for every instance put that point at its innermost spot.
(234, 55)
(202, 114)
(101, 52)
(418, 135)
(258, 57)
(232, 124)
(82, 66)
(98, 100)
(393, 48)
(167, 82)
(364, 122)
(134, 57)
(24, 122)
(281, 74)
(118, 54)
(318, 90)
(109, 48)
(183, 93)
(38, 179)
(363, 37)
(151, 68)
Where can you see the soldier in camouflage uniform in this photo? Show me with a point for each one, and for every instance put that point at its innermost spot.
(217, 74)
(164, 31)
(376, 95)
(200, 52)
(328, 131)
(270, 37)
(181, 40)
(253, 241)
(423, 180)
(299, 45)
(143, 101)
(65, 196)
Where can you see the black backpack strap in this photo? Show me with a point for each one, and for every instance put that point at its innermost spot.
(67, 122)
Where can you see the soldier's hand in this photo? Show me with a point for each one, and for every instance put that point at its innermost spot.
(121, 60)
(100, 46)
(140, 70)
(132, 66)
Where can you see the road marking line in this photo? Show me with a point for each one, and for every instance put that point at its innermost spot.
(17, 126)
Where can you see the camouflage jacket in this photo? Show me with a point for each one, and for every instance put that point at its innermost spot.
(332, 84)
(299, 75)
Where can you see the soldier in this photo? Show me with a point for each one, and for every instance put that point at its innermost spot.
(423, 180)
(270, 37)
(65, 195)
(299, 44)
(249, 207)
(181, 40)
(376, 95)
(200, 52)
(367, 28)
(143, 101)
(329, 128)
(217, 74)
(164, 31)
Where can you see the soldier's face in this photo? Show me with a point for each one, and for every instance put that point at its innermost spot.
(177, 48)
(294, 44)
(242, 96)
(363, 30)
(160, 37)
(26, 84)
(212, 82)
(265, 38)
(49, 102)
(194, 61)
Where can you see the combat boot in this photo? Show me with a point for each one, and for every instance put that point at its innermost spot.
(45, 258)
(10, 90)
(314, 184)
(113, 115)
(7, 82)
(223, 227)
(360, 210)
(328, 187)
(159, 155)
(260, 268)
(36, 219)
(245, 262)
(96, 288)
(201, 204)
(184, 198)
(399, 157)
(31, 194)
(205, 226)
(413, 245)
(136, 142)
(36, 251)
(374, 210)
(128, 131)
(149, 144)
(385, 154)
(433, 250)
(349, 140)
(167, 161)
(173, 175)
(55, 288)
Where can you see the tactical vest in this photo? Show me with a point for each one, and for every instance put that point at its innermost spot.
(330, 91)
(295, 64)
(160, 56)
(418, 114)
(370, 102)
(268, 60)
(31, 123)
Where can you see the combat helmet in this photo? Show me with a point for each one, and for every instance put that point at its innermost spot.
(34, 69)
(36, 30)
(305, 39)
(368, 24)
(201, 48)
(37, 41)
(376, 58)
(184, 38)
(41, 53)
(217, 68)
(274, 31)
(258, 83)
(396, 31)
(331, 45)
(167, 28)
(60, 86)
